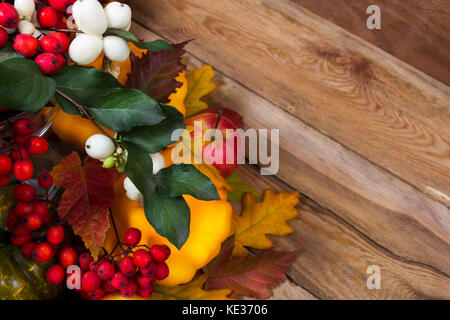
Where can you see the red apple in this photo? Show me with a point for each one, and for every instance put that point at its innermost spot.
(215, 152)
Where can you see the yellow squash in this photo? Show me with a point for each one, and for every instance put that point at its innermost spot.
(210, 220)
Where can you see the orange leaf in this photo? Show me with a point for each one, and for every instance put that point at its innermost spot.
(87, 197)
(253, 276)
(258, 219)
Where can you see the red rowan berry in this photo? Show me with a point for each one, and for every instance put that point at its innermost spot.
(55, 234)
(119, 281)
(132, 237)
(45, 180)
(105, 270)
(159, 253)
(20, 240)
(23, 127)
(84, 260)
(142, 258)
(67, 257)
(24, 192)
(90, 282)
(33, 221)
(55, 274)
(127, 266)
(145, 292)
(37, 145)
(6, 164)
(162, 271)
(23, 170)
(129, 290)
(42, 252)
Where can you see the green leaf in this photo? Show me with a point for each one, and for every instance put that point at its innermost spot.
(239, 188)
(169, 216)
(139, 168)
(154, 46)
(124, 109)
(8, 52)
(23, 86)
(182, 179)
(85, 85)
(128, 36)
(158, 137)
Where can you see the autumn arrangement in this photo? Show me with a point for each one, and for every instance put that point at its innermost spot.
(116, 218)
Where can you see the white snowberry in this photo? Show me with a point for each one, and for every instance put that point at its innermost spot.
(26, 27)
(118, 15)
(99, 146)
(116, 48)
(25, 8)
(84, 49)
(90, 17)
(132, 192)
(158, 162)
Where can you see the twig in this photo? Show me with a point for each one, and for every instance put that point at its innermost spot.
(80, 108)
(58, 30)
(115, 230)
(84, 113)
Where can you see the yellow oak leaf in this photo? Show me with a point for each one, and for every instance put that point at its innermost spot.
(190, 291)
(258, 219)
(199, 85)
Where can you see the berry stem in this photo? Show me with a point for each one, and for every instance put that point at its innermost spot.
(58, 30)
(115, 231)
(84, 113)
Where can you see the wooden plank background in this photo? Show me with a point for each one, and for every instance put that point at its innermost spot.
(364, 136)
(415, 31)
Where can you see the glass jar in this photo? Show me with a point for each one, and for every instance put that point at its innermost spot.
(42, 122)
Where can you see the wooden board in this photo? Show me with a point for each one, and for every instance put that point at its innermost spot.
(334, 257)
(376, 207)
(415, 31)
(338, 84)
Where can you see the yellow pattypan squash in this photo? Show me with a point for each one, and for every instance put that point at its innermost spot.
(210, 220)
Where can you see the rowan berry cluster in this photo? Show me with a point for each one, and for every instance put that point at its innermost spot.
(29, 25)
(131, 272)
(18, 161)
(46, 50)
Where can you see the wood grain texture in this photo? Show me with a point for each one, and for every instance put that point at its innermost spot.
(415, 31)
(288, 291)
(333, 257)
(370, 102)
(389, 211)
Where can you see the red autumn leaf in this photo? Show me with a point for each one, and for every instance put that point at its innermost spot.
(252, 276)
(155, 72)
(87, 197)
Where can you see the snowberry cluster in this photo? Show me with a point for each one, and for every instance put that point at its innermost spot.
(103, 148)
(130, 272)
(18, 161)
(91, 18)
(35, 39)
